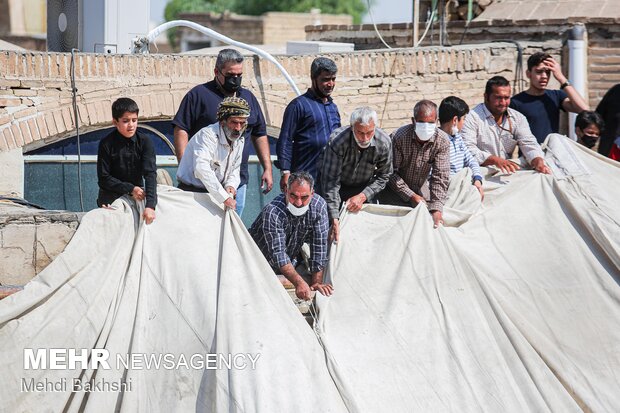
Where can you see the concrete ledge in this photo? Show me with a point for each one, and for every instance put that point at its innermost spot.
(30, 239)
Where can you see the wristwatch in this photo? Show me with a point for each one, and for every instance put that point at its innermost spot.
(567, 83)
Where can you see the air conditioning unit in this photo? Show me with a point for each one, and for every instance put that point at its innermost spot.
(99, 26)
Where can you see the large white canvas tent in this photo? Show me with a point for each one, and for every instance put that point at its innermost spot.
(514, 305)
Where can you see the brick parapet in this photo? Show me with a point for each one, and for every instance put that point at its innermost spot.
(36, 99)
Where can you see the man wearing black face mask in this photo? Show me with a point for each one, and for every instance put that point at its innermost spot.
(198, 109)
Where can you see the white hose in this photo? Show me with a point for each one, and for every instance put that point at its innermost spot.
(141, 44)
(428, 25)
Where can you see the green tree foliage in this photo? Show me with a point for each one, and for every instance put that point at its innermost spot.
(356, 8)
(176, 7)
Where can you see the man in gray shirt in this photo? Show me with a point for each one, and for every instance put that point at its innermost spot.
(355, 165)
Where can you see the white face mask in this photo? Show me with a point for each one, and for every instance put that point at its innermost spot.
(297, 211)
(424, 131)
(454, 130)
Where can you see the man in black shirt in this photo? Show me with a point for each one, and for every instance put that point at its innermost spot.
(126, 161)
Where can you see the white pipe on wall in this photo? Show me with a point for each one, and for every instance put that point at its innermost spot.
(415, 22)
(141, 44)
(577, 56)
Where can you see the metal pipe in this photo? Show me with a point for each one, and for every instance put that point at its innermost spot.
(577, 56)
(470, 10)
(141, 44)
(416, 22)
(77, 128)
(442, 20)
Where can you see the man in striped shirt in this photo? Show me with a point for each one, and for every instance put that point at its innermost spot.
(452, 111)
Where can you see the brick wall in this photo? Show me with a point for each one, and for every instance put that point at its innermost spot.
(268, 28)
(278, 28)
(35, 89)
(245, 29)
(603, 40)
(603, 59)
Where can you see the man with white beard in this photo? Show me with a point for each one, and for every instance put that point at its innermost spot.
(355, 165)
(212, 159)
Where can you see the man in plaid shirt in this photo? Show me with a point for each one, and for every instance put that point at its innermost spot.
(418, 148)
(297, 216)
(355, 165)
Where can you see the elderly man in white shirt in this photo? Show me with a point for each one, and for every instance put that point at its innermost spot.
(212, 158)
(492, 130)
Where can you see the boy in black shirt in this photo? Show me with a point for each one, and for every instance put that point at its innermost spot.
(124, 159)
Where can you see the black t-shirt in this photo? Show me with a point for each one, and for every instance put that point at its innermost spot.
(542, 112)
(198, 109)
(122, 164)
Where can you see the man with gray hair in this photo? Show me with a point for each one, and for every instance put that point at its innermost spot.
(292, 218)
(418, 148)
(307, 123)
(198, 109)
(355, 165)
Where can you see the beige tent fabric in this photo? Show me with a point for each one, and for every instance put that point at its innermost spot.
(513, 306)
(515, 310)
(191, 283)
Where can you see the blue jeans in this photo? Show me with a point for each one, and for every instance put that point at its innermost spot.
(241, 198)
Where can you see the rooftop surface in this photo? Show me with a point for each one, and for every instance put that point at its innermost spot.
(545, 9)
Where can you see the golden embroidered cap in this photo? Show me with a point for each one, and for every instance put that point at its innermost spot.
(233, 106)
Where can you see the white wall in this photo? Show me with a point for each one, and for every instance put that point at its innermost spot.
(12, 173)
